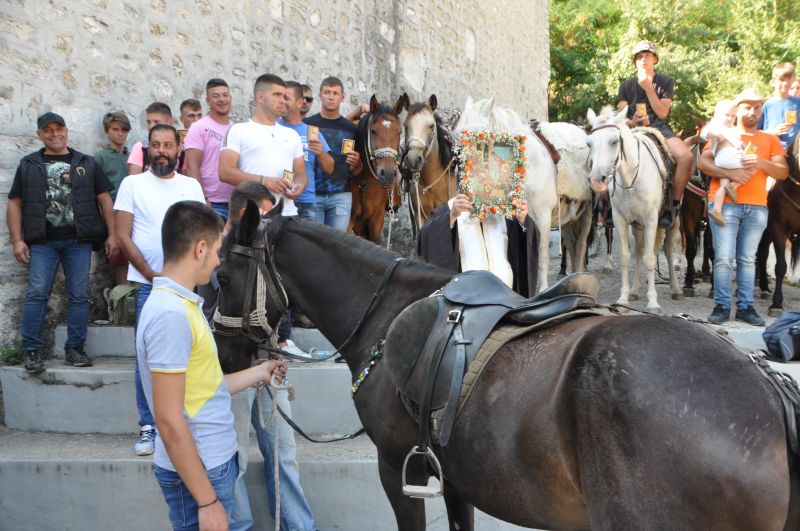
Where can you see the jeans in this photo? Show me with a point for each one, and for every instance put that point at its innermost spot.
(145, 416)
(296, 514)
(221, 209)
(76, 259)
(182, 506)
(306, 211)
(285, 329)
(738, 238)
(333, 210)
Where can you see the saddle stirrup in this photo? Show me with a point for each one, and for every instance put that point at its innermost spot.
(424, 491)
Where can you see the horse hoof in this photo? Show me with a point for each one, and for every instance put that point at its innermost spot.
(707, 279)
(677, 296)
(633, 297)
(622, 309)
(775, 312)
(562, 273)
(607, 269)
(711, 293)
(689, 292)
(655, 309)
(766, 295)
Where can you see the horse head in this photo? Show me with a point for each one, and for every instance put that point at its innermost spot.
(605, 146)
(251, 300)
(420, 133)
(380, 134)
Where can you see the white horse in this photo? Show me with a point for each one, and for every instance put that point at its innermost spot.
(545, 182)
(627, 165)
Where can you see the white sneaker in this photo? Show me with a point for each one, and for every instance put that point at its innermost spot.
(146, 442)
(312, 354)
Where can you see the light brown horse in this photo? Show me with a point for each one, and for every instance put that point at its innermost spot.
(427, 161)
(378, 146)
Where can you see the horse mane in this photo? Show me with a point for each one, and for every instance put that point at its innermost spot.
(365, 121)
(607, 113)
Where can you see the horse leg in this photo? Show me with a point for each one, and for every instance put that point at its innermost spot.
(689, 229)
(674, 285)
(409, 512)
(762, 255)
(624, 256)
(562, 271)
(609, 265)
(779, 242)
(708, 255)
(636, 285)
(460, 514)
(583, 225)
(542, 222)
(648, 254)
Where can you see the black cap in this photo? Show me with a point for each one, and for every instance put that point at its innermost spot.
(48, 117)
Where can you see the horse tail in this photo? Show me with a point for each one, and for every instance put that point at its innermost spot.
(795, 252)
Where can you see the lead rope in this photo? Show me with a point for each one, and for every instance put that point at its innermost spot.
(391, 218)
(276, 466)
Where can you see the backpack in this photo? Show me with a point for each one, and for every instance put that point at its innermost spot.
(783, 337)
(121, 302)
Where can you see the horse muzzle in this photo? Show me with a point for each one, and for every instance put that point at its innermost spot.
(387, 175)
(598, 184)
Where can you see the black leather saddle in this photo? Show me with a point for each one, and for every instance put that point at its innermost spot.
(431, 343)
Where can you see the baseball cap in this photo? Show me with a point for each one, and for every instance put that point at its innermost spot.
(644, 46)
(749, 94)
(48, 117)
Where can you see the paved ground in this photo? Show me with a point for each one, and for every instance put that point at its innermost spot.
(699, 306)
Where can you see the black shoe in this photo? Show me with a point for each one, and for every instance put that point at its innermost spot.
(749, 316)
(33, 362)
(77, 357)
(668, 217)
(719, 315)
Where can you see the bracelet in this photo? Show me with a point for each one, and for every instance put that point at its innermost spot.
(216, 499)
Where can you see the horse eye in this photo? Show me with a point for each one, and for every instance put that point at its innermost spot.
(430, 126)
(614, 141)
(589, 141)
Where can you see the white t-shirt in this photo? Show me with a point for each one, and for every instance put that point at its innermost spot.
(148, 197)
(266, 150)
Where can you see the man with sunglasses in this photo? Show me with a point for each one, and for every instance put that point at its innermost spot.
(308, 99)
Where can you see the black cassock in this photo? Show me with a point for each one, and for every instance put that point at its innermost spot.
(438, 245)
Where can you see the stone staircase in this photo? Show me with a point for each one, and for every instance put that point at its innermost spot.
(67, 462)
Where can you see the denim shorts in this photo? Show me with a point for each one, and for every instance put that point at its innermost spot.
(182, 506)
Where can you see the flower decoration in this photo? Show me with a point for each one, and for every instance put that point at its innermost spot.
(503, 201)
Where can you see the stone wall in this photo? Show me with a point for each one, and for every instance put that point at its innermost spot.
(83, 58)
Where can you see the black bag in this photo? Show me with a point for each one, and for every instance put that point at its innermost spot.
(783, 337)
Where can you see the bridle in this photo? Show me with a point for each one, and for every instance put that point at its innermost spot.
(380, 153)
(621, 158)
(261, 274)
(425, 146)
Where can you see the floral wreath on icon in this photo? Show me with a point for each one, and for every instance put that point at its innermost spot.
(498, 193)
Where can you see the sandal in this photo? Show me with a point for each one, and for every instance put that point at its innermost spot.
(717, 216)
(730, 191)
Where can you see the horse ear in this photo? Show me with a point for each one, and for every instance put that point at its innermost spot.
(620, 117)
(374, 105)
(433, 102)
(591, 117)
(468, 104)
(486, 110)
(276, 210)
(401, 103)
(246, 229)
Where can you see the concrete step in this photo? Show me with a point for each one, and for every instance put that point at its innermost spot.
(93, 482)
(118, 341)
(101, 399)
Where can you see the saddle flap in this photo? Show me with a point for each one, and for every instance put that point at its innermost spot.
(476, 288)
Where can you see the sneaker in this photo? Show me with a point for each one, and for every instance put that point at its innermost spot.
(312, 354)
(33, 362)
(146, 442)
(748, 315)
(77, 357)
(719, 315)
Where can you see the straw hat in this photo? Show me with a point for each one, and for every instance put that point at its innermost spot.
(749, 94)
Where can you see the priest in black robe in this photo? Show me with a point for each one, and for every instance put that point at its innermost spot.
(438, 242)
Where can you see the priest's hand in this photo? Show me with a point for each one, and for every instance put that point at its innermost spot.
(461, 204)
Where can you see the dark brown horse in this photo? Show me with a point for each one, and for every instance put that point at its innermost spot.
(694, 219)
(783, 224)
(379, 144)
(604, 423)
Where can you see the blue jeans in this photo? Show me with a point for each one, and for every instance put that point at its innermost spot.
(182, 506)
(306, 211)
(76, 259)
(333, 210)
(285, 329)
(145, 416)
(296, 514)
(738, 238)
(221, 209)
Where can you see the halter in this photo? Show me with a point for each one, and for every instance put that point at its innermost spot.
(620, 158)
(267, 286)
(380, 153)
(425, 146)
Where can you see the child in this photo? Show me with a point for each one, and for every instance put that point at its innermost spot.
(780, 111)
(726, 145)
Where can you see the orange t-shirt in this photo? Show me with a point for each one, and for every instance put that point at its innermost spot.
(754, 192)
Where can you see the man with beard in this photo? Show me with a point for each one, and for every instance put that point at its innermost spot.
(58, 209)
(142, 202)
(203, 142)
(746, 217)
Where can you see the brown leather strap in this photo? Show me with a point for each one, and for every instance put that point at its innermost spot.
(550, 149)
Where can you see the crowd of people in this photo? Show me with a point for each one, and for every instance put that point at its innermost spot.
(159, 207)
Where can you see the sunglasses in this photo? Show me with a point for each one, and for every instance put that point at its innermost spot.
(308, 99)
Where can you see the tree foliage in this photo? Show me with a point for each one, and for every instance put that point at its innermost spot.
(711, 48)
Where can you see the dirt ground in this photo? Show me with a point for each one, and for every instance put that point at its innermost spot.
(699, 306)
